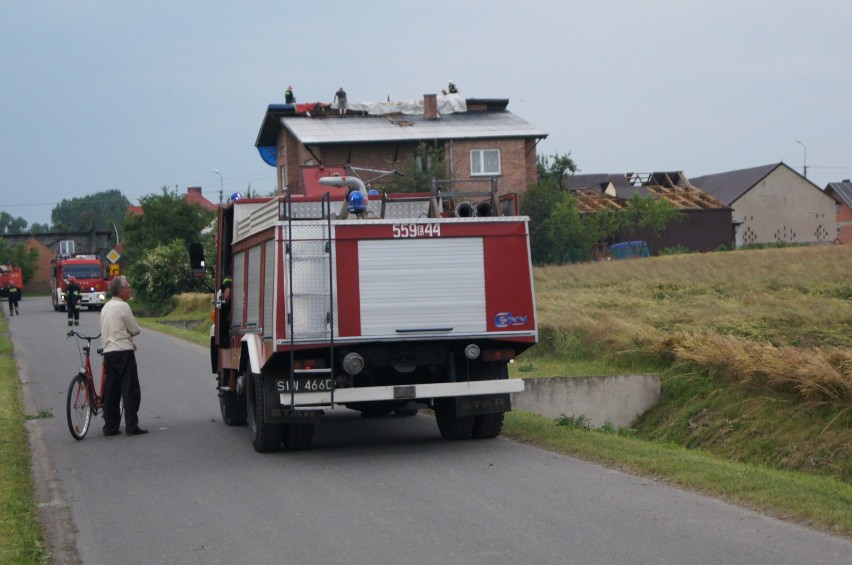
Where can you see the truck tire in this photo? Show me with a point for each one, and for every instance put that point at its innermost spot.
(233, 411)
(298, 436)
(487, 426)
(265, 437)
(232, 407)
(452, 427)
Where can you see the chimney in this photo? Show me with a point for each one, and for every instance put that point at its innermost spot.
(430, 106)
(196, 189)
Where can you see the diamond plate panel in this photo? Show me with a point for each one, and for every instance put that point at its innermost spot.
(310, 283)
(407, 209)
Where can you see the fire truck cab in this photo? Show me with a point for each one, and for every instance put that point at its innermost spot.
(90, 273)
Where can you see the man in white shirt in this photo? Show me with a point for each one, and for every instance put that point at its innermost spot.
(118, 326)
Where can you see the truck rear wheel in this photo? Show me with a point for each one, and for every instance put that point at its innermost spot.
(233, 411)
(451, 426)
(487, 426)
(265, 437)
(232, 407)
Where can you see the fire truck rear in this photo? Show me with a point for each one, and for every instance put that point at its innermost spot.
(10, 277)
(90, 273)
(378, 303)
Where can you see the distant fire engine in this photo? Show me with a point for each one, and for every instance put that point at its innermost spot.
(90, 273)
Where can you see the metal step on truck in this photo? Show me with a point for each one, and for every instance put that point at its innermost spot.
(381, 303)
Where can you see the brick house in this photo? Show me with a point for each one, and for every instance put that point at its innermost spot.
(479, 139)
(842, 194)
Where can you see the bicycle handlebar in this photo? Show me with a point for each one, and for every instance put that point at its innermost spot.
(81, 336)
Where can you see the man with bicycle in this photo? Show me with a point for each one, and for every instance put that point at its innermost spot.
(118, 326)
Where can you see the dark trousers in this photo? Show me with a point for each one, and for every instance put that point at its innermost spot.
(13, 305)
(122, 383)
(73, 313)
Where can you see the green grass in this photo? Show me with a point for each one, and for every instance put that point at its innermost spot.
(817, 501)
(21, 538)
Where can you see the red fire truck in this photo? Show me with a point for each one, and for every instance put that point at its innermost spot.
(378, 303)
(90, 273)
(10, 277)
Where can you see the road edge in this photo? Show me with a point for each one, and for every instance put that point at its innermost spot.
(54, 510)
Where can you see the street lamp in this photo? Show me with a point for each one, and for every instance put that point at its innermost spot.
(805, 161)
(221, 184)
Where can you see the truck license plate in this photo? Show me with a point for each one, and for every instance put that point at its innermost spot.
(319, 384)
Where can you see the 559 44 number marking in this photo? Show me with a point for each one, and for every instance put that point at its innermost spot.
(416, 230)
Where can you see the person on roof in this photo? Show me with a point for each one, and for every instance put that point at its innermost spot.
(289, 98)
(73, 296)
(340, 98)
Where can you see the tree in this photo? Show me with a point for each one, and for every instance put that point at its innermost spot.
(164, 272)
(154, 246)
(39, 228)
(553, 167)
(98, 211)
(538, 202)
(20, 256)
(426, 164)
(648, 213)
(165, 217)
(10, 225)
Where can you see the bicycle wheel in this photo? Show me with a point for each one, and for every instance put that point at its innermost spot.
(78, 409)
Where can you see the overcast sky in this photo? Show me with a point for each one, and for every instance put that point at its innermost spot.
(137, 95)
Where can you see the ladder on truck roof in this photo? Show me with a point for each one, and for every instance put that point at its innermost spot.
(310, 288)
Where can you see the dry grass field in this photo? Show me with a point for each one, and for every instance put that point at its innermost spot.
(755, 346)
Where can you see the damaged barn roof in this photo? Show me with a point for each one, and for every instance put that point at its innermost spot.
(613, 191)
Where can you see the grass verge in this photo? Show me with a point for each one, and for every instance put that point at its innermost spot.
(815, 501)
(21, 537)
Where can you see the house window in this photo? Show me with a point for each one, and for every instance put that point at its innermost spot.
(424, 163)
(485, 162)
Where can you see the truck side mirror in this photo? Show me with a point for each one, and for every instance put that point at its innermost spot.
(196, 259)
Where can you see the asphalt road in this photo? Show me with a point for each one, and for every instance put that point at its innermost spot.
(370, 491)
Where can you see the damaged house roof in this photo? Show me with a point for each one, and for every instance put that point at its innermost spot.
(490, 120)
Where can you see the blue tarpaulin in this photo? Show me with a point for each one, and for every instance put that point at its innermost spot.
(268, 155)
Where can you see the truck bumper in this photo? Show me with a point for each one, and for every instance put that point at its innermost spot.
(93, 299)
(402, 392)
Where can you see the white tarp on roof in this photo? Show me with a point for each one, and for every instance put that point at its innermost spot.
(447, 104)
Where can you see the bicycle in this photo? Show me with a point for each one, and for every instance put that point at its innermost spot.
(83, 399)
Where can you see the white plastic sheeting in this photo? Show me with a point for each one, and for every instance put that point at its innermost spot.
(447, 104)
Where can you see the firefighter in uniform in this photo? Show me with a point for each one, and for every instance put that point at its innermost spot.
(73, 295)
(14, 297)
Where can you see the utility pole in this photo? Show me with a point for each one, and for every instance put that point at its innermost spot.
(805, 160)
(221, 185)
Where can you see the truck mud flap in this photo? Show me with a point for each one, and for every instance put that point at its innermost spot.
(281, 415)
(476, 405)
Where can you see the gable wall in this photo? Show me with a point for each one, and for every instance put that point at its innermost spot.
(844, 223)
(785, 207)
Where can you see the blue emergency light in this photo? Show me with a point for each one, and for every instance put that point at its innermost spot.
(357, 204)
